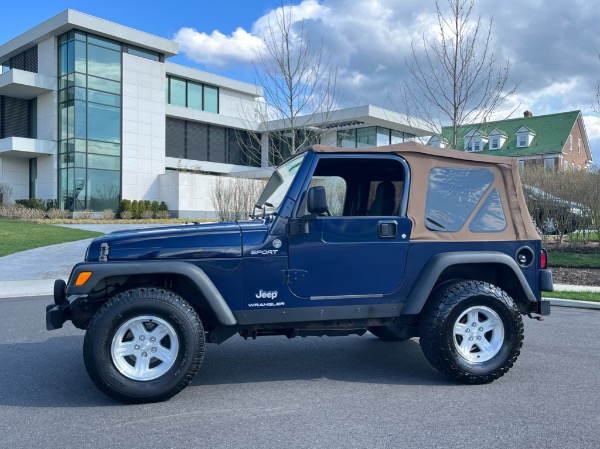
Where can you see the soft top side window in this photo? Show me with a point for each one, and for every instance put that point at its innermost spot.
(453, 195)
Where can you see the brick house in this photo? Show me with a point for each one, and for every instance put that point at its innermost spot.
(558, 141)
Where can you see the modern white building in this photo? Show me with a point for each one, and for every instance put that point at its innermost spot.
(91, 113)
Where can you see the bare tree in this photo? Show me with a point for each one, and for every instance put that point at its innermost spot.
(234, 198)
(299, 87)
(455, 75)
(6, 192)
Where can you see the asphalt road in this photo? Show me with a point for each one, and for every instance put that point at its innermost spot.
(350, 392)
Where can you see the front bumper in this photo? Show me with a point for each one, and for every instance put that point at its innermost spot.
(55, 316)
(58, 313)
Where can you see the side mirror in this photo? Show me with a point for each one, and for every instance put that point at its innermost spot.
(316, 202)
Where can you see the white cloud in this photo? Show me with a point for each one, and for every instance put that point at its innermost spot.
(217, 50)
(553, 48)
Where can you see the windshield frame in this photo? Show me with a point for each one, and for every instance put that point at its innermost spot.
(279, 184)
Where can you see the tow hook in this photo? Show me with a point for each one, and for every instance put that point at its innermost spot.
(539, 318)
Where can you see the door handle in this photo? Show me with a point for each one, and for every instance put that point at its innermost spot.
(387, 229)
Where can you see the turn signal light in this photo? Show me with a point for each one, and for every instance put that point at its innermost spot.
(544, 259)
(83, 278)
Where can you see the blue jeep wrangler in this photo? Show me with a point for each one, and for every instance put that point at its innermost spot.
(401, 241)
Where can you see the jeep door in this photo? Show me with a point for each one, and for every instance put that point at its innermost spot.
(358, 247)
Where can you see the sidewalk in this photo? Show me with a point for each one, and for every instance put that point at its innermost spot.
(33, 272)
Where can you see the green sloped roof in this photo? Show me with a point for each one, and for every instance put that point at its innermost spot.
(552, 132)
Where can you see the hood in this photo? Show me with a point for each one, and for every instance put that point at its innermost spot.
(214, 240)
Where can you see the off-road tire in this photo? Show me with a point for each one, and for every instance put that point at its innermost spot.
(440, 321)
(109, 324)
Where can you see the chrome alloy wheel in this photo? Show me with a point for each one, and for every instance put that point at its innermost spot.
(144, 348)
(478, 334)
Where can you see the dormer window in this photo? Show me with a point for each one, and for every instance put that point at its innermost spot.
(475, 141)
(524, 137)
(497, 139)
(437, 141)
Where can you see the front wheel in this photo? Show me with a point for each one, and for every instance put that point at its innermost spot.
(472, 332)
(144, 345)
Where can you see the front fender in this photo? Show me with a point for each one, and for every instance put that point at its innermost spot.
(102, 270)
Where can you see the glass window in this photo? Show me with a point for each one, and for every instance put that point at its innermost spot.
(366, 137)
(177, 92)
(211, 99)
(383, 136)
(143, 53)
(80, 80)
(104, 123)
(397, 137)
(104, 98)
(347, 139)
(104, 85)
(80, 120)
(570, 142)
(102, 42)
(477, 145)
(522, 140)
(80, 57)
(104, 63)
(111, 149)
(495, 143)
(104, 162)
(335, 188)
(490, 217)
(279, 183)
(103, 189)
(80, 93)
(452, 195)
(549, 164)
(194, 99)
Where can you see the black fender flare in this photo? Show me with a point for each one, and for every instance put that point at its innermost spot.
(103, 270)
(435, 267)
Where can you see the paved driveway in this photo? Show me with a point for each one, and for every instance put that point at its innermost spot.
(345, 392)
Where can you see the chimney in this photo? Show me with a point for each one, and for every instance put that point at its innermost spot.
(527, 114)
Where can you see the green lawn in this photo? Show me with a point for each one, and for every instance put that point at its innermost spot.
(18, 236)
(579, 296)
(573, 260)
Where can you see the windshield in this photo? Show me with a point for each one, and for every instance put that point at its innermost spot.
(278, 185)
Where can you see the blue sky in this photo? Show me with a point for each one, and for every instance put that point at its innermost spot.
(553, 45)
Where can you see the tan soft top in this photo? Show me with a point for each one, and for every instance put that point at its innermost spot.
(422, 159)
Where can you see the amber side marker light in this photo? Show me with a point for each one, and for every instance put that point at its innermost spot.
(83, 278)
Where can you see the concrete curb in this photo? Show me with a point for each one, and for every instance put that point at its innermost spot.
(19, 289)
(576, 288)
(590, 305)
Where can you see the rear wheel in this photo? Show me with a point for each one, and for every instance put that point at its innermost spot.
(144, 345)
(472, 332)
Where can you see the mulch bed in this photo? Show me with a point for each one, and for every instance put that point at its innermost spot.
(575, 276)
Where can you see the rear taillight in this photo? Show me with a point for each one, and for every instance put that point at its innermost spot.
(544, 259)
